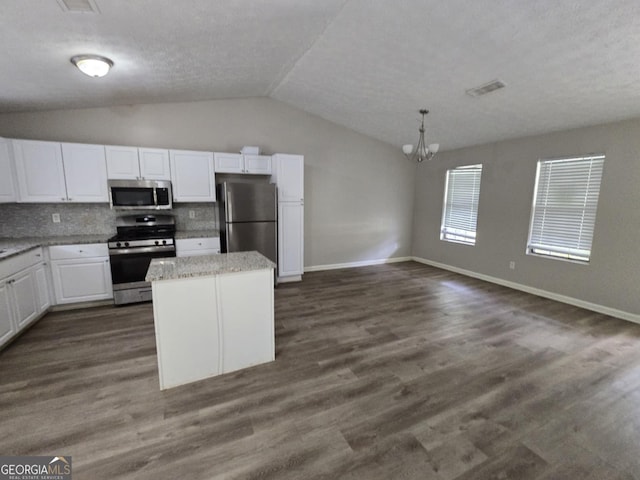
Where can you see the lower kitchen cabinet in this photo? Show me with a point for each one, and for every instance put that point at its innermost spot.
(190, 247)
(81, 273)
(24, 292)
(290, 241)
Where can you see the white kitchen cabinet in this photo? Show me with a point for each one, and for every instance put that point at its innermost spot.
(7, 175)
(190, 247)
(52, 172)
(22, 298)
(85, 172)
(192, 176)
(288, 175)
(290, 241)
(81, 273)
(133, 163)
(39, 170)
(243, 164)
(7, 322)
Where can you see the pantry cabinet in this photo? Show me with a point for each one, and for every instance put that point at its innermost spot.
(288, 175)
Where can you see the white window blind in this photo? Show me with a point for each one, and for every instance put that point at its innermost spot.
(564, 207)
(460, 212)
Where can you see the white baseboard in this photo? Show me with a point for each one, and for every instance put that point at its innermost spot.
(293, 278)
(632, 317)
(364, 263)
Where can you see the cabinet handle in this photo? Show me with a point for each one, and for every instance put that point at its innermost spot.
(70, 199)
(80, 251)
(38, 255)
(63, 199)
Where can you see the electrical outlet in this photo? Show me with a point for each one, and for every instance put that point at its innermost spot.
(55, 217)
(192, 214)
(512, 265)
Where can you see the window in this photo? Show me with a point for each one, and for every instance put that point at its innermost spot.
(564, 207)
(460, 212)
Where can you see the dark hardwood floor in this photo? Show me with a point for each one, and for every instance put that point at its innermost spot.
(398, 371)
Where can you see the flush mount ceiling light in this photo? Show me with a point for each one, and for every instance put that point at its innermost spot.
(92, 65)
(422, 151)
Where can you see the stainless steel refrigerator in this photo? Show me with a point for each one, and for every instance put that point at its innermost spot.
(248, 218)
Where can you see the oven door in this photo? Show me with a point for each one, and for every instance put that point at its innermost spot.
(130, 265)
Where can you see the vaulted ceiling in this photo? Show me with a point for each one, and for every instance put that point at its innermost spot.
(366, 64)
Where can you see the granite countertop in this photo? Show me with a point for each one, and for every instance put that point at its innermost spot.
(205, 265)
(14, 246)
(197, 234)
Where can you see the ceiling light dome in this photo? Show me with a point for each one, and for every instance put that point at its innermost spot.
(92, 65)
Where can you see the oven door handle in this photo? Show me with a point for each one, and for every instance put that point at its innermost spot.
(128, 251)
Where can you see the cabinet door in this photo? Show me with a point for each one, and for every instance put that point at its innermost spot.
(7, 325)
(24, 296)
(122, 162)
(192, 176)
(39, 171)
(228, 163)
(257, 164)
(154, 164)
(289, 177)
(81, 280)
(7, 176)
(290, 239)
(85, 171)
(42, 288)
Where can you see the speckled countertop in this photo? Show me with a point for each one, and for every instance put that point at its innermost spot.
(14, 246)
(205, 265)
(197, 234)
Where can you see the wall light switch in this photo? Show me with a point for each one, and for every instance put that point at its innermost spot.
(55, 217)
(192, 214)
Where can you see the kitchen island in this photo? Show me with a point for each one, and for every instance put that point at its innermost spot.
(213, 314)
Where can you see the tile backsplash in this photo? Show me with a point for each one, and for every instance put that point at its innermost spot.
(35, 220)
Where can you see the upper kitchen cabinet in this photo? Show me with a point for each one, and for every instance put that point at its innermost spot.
(39, 171)
(288, 175)
(7, 174)
(85, 172)
(53, 172)
(133, 163)
(243, 164)
(192, 176)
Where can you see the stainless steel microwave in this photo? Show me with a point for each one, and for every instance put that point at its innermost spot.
(140, 194)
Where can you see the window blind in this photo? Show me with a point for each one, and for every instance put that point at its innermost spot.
(460, 212)
(564, 207)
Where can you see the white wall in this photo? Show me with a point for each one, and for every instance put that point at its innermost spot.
(611, 278)
(358, 191)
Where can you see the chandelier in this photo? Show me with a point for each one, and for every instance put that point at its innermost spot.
(422, 151)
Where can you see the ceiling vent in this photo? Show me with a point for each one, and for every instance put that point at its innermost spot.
(492, 86)
(79, 6)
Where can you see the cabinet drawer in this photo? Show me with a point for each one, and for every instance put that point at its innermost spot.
(65, 252)
(209, 243)
(16, 263)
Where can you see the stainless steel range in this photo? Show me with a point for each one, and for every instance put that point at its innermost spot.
(139, 239)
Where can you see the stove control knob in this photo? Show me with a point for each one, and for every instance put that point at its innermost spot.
(164, 242)
(118, 244)
(126, 244)
(157, 242)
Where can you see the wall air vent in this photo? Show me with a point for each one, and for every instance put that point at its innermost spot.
(492, 86)
(79, 6)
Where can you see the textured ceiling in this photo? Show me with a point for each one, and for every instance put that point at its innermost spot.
(366, 64)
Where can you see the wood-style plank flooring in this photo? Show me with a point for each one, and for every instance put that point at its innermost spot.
(398, 371)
